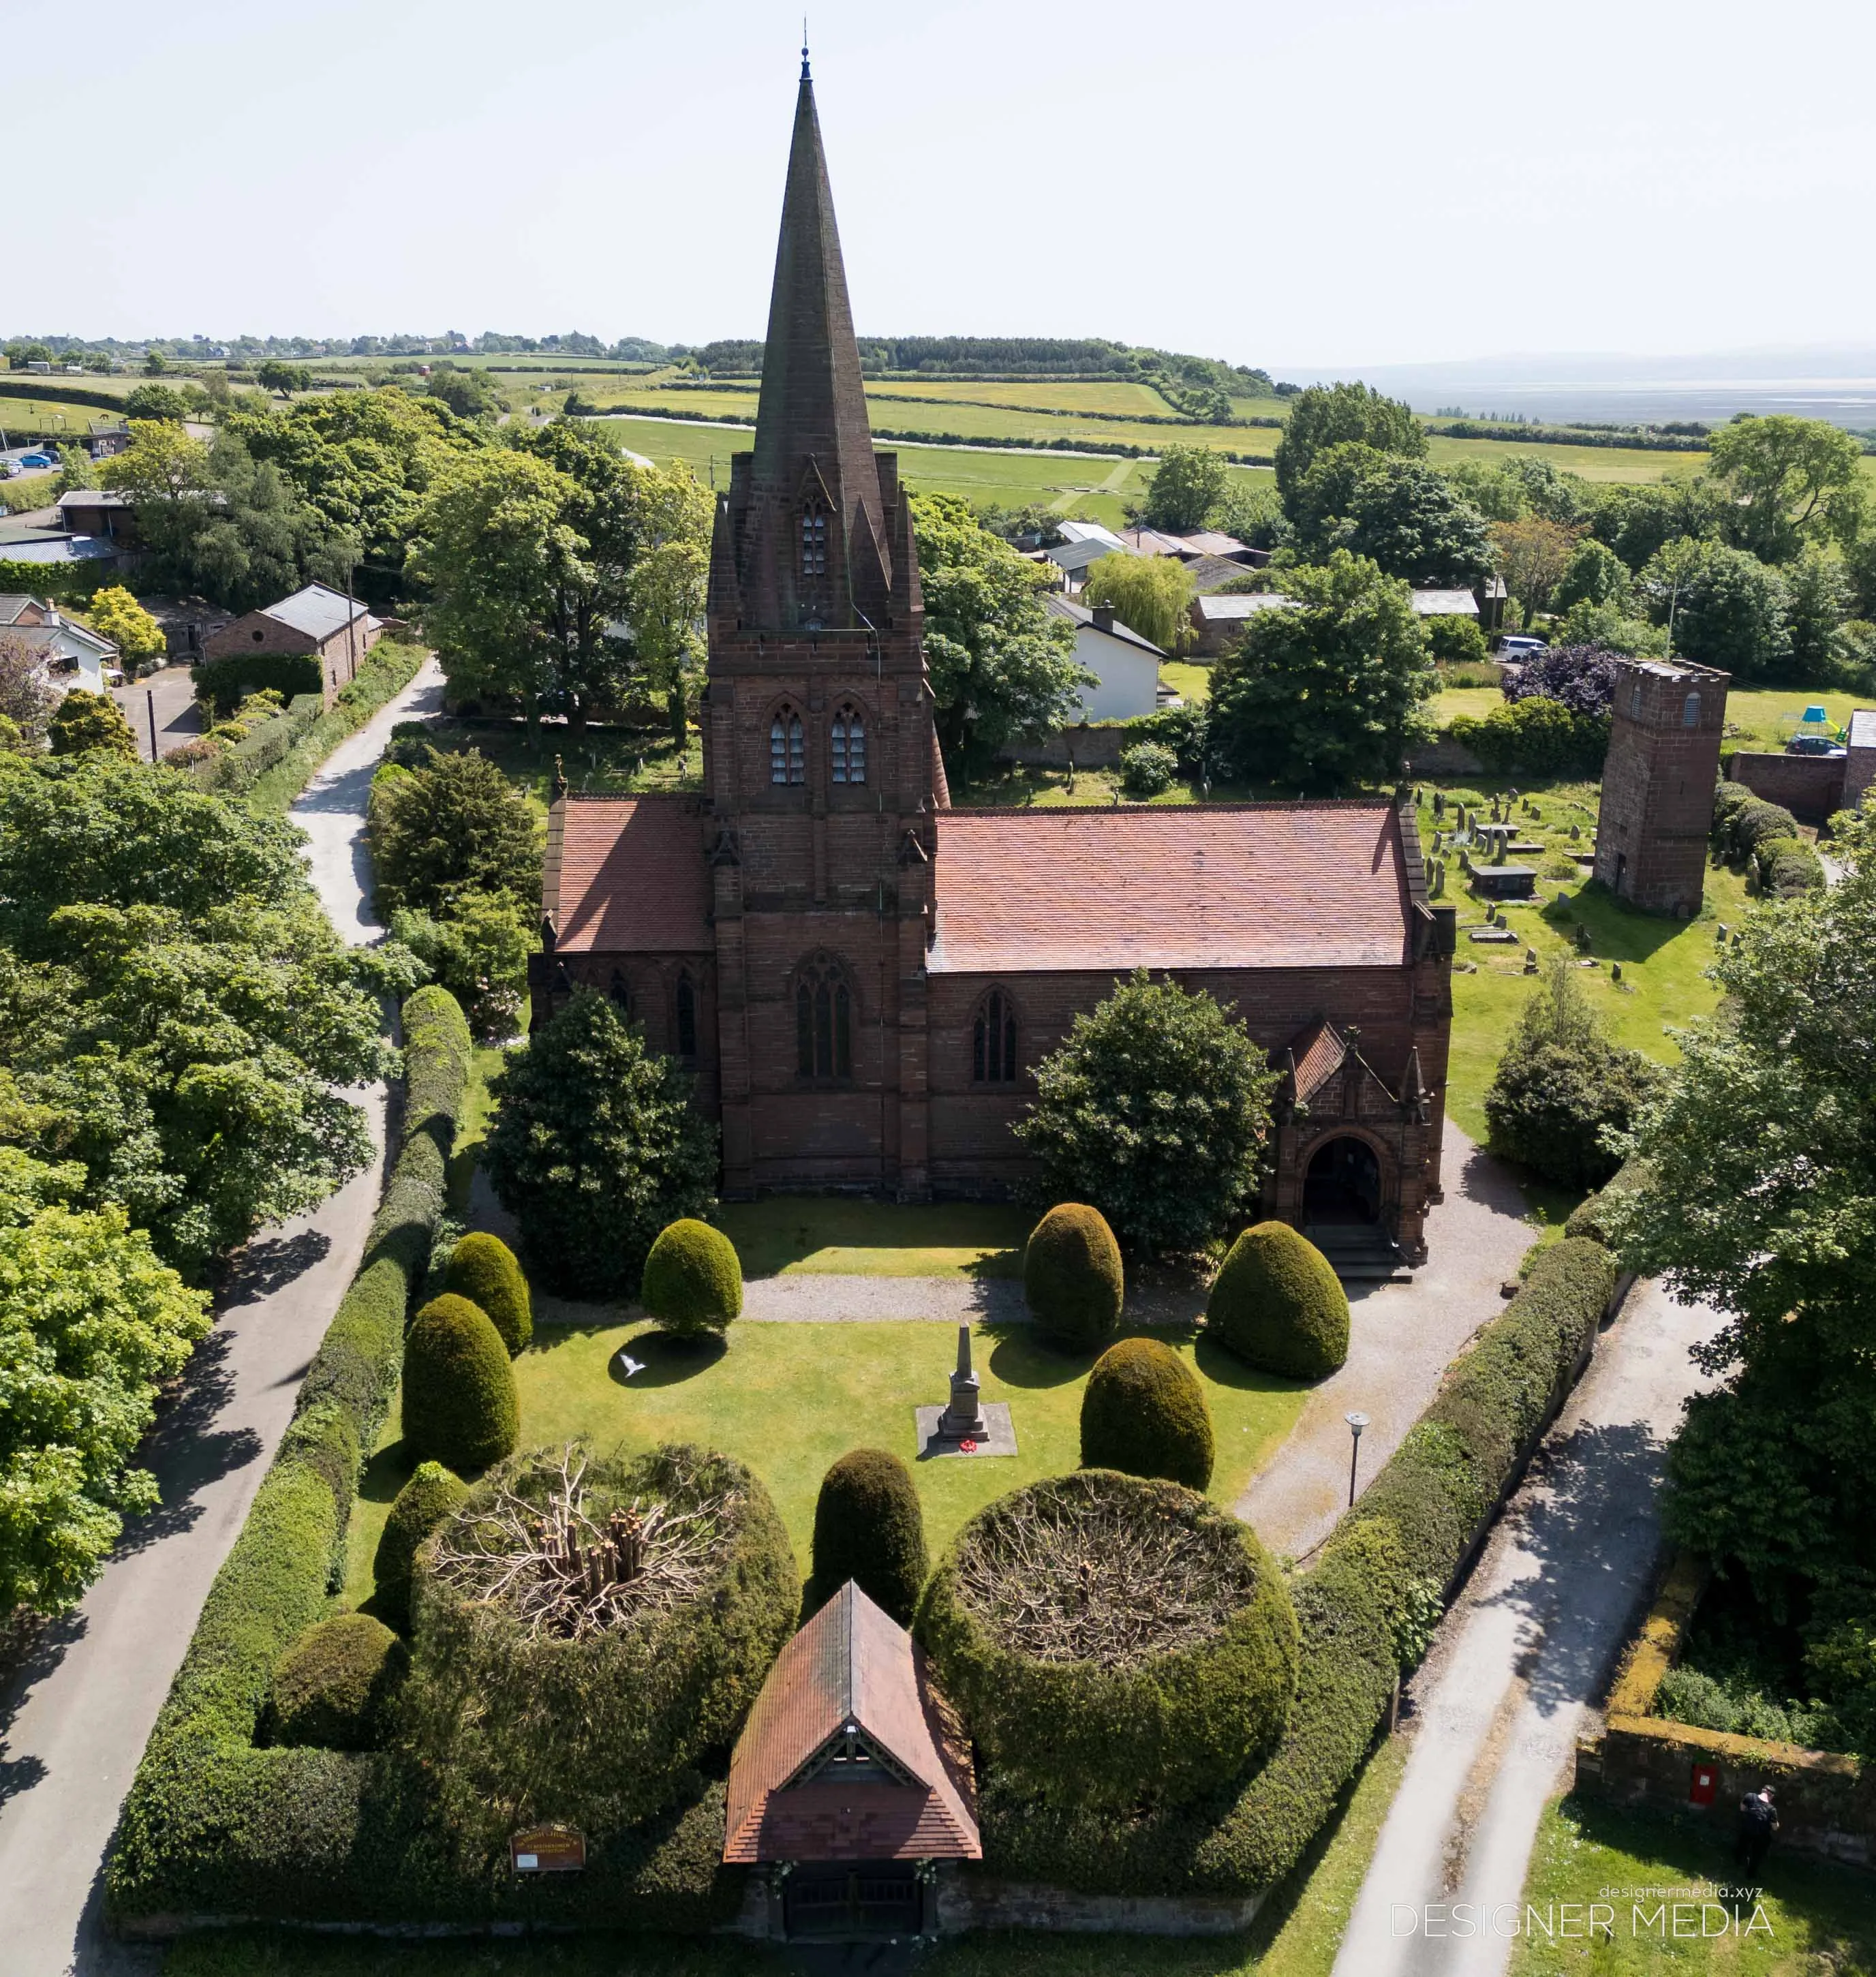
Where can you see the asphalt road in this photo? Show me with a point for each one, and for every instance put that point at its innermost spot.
(169, 694)
(75, 1719)
(1520, 1660)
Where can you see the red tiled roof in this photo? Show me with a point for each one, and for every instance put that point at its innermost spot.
(1305, 885)
(1319, 1054)
(849, 1665)
(627, 874)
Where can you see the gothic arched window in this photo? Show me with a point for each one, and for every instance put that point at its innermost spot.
(992, 1041)
(620, 993)
(1634, 701)
(849, 745)
(687, 1016)
(824, 1020)
(1690, 711)
(788, 761)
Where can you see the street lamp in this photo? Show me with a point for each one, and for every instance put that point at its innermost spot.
(1356, 1422)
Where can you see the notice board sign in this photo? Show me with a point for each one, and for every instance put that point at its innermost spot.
(547, 1850)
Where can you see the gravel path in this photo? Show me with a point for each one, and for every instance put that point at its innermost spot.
(1401, 1339)
(75, 1718)
(1495, 1710)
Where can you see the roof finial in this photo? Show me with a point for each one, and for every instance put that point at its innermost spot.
(805, 76)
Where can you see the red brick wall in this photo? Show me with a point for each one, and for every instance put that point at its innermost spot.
(1657, 784)
(1810, 787)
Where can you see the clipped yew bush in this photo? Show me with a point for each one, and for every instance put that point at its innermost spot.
(1144, 1411)
(654, 1593)
(1073, 1280)
(1278, 1304)
(334, 1686)
(433, 1493)
(483, 1269)
(1109, 1639)
(868, 1527)
(460, 1404)
(693, 1279)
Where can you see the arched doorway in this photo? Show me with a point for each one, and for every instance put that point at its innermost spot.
(1343, 1187)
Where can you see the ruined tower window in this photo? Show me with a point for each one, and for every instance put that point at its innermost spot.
(823, 1021)
(850, 748)
(992, 1041)
(686, 1016)
(814, 542)
(1634, 702)
(1690, 711)
(787, 757)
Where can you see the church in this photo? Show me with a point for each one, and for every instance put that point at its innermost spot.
(862, 977)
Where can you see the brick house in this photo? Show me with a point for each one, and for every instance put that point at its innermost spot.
(864, 978)
(317, 623)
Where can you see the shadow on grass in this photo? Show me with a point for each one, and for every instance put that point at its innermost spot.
(1224, 1369)
(1617, 931)
(387, 1471)
(1023, 1357)
(664, 1359)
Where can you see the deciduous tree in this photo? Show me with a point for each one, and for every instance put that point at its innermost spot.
(1189, 483)
(1789, 481)
(1327, 415)
(1532, 556)
(1150, 595)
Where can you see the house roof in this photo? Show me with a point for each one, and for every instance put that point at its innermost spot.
(1303, 885)
(319, 611)
(627, 874)
(1080, 614)
(1237, 605)
(1209, 572)
(57, 548)
(13, 606)
(1214, 542)
(1863, 728)
(1078, 556)
(850, 1679)
(1072, 531)
(1445, 604)
(1156, 541)
(92, 497)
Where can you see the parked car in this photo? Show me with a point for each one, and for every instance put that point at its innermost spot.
(36, 460)
(1813, 744)
(1521, 645)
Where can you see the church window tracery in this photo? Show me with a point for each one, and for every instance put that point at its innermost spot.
(823, 1020)
(813, 541)
(849, 745)
(686, 1015)
(992, 1041)
(787, 748)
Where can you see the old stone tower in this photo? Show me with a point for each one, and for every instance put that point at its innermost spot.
(1657, 784)
(820, 758)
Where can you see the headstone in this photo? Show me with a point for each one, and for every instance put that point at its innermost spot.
(1582, 940)
(1576, 831)
(965, 1414)
(1440, 803)
(1615, 971)
(1531, 961)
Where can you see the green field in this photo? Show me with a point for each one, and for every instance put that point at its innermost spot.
(21, 419)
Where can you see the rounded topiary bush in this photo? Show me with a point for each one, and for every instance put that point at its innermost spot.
(334, 1686)
(1144, 1411)
(484, 1269)
(432, 1494)
(693, 1279)
(1108, 1638)
(653, 1593)
(1072, 1276)
(1279, 1305)
(868, 1527)
(460, 1404)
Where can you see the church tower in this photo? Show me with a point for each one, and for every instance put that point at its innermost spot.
(1657, 805)
(820, 754)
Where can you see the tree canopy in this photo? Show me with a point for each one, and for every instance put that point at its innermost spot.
(1150, 595)
(1789, 481)
(1002, 666)
(1406, 518)
(1726, 607)
(1328, 415)
(1155, 1110)
(1188, 484)
(1330, 691)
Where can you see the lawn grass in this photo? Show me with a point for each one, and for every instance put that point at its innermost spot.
(609, 761)
(1763, 718)
(1819, 1918)
(1664, 962)
(1192, 683)
(1475, 702)
(1296, 1935)
(790, 1399)
(1632, 464)
(815, 1234)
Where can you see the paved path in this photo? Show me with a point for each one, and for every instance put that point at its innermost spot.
(1520, 1660)
(171, 690)
(75, 1719)
(1401, 1338)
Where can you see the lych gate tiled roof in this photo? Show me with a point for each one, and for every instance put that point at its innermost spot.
(1319, 1054)
(1304, 885)
(627, 874)
(850, 1668)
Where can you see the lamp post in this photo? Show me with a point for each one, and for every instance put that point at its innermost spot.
(1356, 1422)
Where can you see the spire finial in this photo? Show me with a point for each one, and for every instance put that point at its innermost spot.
(805, 75)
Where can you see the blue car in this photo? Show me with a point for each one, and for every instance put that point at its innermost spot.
(36, 460)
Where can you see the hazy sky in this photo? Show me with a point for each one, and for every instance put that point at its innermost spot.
(1330, 183)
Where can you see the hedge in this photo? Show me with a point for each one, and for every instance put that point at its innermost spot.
(335, 1686)
(1277, 1304)
(1787, 867)
(1411, 1532)
(433, 1493)
(868, 1527)
(214, 1824)
(1073, 1280)
(227, 682)
(234, 770)
(1143, 1412)
(1174, 1723)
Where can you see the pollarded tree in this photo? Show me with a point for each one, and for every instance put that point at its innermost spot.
(1150, 595)
(594, 1148)
(1330, 692)
(91, 1324)
(1328, 415)
(1563, 1084)
(1189, 483)
(1155, 1110)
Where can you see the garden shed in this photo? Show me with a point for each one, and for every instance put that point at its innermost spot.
(851, 1782)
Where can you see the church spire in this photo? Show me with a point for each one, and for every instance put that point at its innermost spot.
(814, 554)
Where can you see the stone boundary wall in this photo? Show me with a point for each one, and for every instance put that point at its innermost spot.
(970, 1900)
(1087, 748)
(1443, 756)
(1810, 787)
(1826, 1802)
